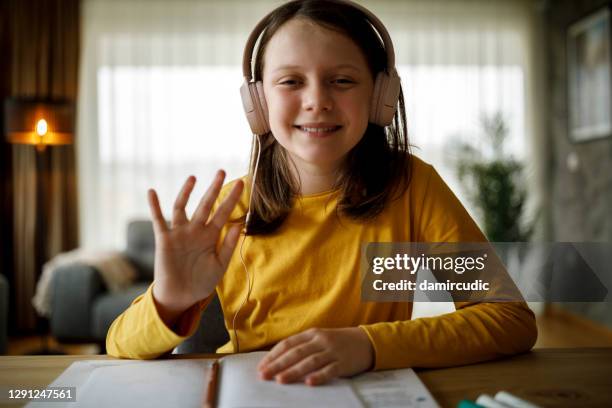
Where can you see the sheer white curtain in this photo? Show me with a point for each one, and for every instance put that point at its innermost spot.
(159, 92)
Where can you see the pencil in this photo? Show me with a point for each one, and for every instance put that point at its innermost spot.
(211, 389)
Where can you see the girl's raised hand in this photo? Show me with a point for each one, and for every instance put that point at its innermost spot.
(317, 356)
(188, 264)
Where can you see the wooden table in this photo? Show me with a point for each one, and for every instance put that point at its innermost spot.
(579, 377)
(549, 377)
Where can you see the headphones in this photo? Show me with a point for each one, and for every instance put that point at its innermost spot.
(386, 85)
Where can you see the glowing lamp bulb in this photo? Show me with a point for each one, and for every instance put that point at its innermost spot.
(41, 127)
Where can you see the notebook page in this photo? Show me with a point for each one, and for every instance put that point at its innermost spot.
(241, 387)
(393, 389)
(130, 383)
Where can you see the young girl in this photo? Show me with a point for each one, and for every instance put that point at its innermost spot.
(332, 171)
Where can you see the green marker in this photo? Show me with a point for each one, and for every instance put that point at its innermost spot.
(468, 404)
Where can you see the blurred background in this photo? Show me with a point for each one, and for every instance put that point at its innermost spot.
(508, 99)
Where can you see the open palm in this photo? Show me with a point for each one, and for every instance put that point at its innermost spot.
(188, 263)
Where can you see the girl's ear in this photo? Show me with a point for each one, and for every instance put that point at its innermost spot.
(255, 107)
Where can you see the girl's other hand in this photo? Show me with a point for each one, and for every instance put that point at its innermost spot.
(188, 264)
(317, 356)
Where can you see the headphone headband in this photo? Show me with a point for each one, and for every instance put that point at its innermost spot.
(372, 19)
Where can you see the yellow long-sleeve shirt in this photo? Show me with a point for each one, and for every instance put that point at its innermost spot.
(306, 275)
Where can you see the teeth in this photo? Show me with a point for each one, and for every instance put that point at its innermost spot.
(309, 129)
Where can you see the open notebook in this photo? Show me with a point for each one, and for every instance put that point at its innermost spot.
(182, 383)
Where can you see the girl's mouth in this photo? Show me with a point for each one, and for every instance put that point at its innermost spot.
(313, 131)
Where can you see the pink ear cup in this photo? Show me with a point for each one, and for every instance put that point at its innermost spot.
(255, 107)
(384, 98)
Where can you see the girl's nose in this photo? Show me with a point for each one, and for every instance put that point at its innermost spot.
(317, 97)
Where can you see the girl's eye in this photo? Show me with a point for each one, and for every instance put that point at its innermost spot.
(343, 81)
(295, 82)
(289, 82)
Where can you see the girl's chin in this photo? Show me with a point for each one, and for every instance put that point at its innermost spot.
(314, 158)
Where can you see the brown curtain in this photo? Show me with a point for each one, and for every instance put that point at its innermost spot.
(6, 186)
(44, 37)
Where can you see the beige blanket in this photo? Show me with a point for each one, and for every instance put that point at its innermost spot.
(117, 273)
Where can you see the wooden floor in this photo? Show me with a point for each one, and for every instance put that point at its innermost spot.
(560, 329)
(556, 328)
(36, 344)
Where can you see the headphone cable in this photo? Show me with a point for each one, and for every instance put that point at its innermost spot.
(246, 270)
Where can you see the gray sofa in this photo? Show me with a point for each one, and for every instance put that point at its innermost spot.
(83, 308)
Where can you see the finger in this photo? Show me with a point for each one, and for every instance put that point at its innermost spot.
(229, 244)
(159, 223)
(289, 359)
(305, 367)
(323, 375)
(224, 210)
(208, 199)
(282, 347)
(179, 216)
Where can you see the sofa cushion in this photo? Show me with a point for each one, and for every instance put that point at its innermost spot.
(108, 306)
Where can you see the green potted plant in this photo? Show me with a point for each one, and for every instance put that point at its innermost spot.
(494, 182)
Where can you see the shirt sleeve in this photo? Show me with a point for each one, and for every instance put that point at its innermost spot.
(140, 333)
(475, 331)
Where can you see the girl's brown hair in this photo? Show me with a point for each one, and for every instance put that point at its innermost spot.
(376, 169)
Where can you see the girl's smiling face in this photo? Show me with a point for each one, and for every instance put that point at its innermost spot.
(318, 89)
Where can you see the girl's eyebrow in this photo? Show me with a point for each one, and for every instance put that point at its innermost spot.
(348, 66)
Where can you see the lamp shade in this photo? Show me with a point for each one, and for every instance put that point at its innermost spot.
(38, 122)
